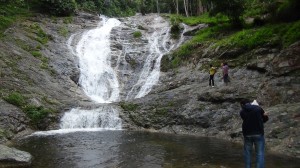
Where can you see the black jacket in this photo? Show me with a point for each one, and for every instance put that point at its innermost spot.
(253, 123)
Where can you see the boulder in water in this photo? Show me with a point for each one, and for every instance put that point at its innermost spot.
(11, 157)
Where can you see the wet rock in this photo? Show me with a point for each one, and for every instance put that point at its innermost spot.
(11, 157)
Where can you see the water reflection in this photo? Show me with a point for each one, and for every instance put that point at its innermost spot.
(128, 149)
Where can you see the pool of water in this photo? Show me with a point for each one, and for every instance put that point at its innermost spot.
(134, 149)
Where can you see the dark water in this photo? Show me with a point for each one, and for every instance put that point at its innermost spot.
(128, 149)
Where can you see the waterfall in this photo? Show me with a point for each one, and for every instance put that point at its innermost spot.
(97, 78)
(159, 43)
(103, 117)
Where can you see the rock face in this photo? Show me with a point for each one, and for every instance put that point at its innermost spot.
(11, 157)
(36, 62)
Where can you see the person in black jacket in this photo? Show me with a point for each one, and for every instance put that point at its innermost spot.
(253, 117)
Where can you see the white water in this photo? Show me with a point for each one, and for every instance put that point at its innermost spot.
(159, 44)
(103, 117)
(98, 80)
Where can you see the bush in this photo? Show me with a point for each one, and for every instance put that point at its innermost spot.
(36, 54)
(58, 7)
(175, 31)
(9, 13)
(129, 106)
(292, 34)
(289, 10)
(137, 34)
(16, 99)
(36, 114)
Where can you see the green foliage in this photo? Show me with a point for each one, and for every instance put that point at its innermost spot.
(279, 34)
(2, 133)
(41, 36)
(58, 7)
(36, 114)
(161, 112)
(137, 34)
(251, 38)
(175, 31)
(9, 13)
(204, 18)
(16, 99)
(22, 44)
(36, 54)
(108, 8)
(254, 8)
(231, 8)
(289, 10)
(44, 64)
(291, 34)
(68, 20)
(63, 31)
(87, 6)
(129, 106)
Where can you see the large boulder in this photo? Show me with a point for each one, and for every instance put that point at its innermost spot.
(11, 157)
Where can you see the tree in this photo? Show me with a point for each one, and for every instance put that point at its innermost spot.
(176, 6)
(186, 7)
(58, 7)
(157, 6)
(231, 8)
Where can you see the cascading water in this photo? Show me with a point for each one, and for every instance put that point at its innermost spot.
(98, 79)
(159, 43)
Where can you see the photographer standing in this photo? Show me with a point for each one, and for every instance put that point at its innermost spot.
(253, 117)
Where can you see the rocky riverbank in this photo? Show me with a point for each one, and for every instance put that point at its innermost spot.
(37, 64)
(183, 103)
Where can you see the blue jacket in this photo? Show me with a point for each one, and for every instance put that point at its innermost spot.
(252, 116)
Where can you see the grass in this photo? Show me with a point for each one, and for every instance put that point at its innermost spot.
(41, 36)
(137, 34)
(16, 99)
(10, 13)
(36, 54)
(274, 34)
(63, 31)
(195, 20)
(35, 113)
(222, 34)
(129, 106)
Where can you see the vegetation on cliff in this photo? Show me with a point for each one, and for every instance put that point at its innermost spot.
(267, 25)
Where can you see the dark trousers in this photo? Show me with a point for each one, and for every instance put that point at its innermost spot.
(211, 80)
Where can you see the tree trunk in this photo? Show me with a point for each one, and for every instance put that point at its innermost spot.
(186, 7)
(200, 7)
(176, 6)
(157, 7)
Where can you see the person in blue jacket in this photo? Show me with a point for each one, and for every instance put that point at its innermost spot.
(253, 117)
